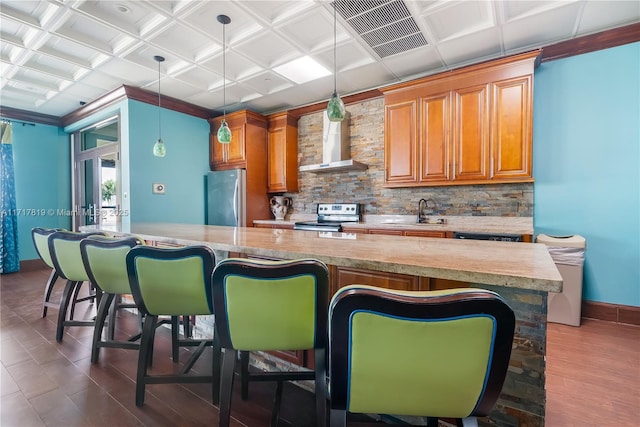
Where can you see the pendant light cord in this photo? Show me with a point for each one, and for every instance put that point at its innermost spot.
(159, 121)
(335, 63)
(224, 73)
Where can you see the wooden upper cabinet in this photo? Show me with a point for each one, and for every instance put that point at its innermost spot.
(511, 132)
(435, 150)
(248, 137)
(400, 142)
(282, 152)
(467, 126)
(471, 135)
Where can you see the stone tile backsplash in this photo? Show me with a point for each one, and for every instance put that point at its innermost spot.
(366, 130)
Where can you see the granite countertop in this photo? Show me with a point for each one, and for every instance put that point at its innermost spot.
(526, 266)
(475, 224)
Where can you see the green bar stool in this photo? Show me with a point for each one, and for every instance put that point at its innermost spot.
(104, 260)
(267, 306)
(172, 282)
(433, 354)
(40, 238)
(64, 247)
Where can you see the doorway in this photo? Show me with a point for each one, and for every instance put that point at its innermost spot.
(97, 175)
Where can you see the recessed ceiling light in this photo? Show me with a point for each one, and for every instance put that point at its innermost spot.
(302, 70)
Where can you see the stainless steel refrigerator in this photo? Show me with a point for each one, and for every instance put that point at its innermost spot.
(227, 197)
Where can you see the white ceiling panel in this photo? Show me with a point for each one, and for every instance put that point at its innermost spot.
(51, 65)
(70, 51)
(37, 79)
(204, 18)
(369, 76)
(274, 12)
(417, 61)
(199, 77)
(459, 19)
(311, 31)
(268, 49)
(131, 17)
(268, 82)
(28, 12)
(56, 53)
(552, 25)
(462, 50)
(103, 81)
(238, 67)
(174, 88)
(182, 41)
(92, 33)
(608, 13)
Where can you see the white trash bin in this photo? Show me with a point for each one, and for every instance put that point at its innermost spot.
(568, 254)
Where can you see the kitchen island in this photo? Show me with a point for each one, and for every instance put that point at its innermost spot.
(521, 273)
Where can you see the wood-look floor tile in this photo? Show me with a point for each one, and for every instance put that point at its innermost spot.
(18, 412)
(7, 384)
(103, 408)
(12, 352)
(69, 378)
(31, 378)
(55, 408)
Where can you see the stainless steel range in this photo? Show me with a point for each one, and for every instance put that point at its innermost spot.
(331, 216)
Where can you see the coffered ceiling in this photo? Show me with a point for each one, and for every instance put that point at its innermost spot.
(58, 54)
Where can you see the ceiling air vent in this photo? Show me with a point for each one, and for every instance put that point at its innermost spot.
(385, 25)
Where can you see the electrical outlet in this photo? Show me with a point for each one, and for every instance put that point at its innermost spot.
(158, 188)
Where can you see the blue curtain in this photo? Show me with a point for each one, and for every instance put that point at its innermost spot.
(9, 259)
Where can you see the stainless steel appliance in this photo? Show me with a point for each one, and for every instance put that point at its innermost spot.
(227, 198)
(488, 236)
(331, 216)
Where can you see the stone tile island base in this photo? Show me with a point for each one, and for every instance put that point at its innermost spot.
(522, 401)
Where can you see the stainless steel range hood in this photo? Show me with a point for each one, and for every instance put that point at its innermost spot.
(336, 156)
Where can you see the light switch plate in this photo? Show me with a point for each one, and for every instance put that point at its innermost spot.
(158, 188)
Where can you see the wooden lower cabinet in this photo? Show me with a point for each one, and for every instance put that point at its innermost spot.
(385, 231)
(427, 233)
(343, 276)
(440, 284)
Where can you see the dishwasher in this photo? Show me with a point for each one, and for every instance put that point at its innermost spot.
(488, 236)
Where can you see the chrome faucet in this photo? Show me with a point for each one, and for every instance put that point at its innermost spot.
(423, 205)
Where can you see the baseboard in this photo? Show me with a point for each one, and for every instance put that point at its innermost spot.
(611, 312)
(32, 265)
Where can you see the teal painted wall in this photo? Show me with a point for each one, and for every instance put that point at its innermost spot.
(182, 171)
(42, 168)
(587, 163)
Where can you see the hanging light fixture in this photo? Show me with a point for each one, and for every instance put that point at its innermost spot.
(335, 107)
(158, 148)
(224, 133)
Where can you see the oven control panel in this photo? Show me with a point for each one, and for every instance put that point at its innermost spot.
(338, 212)
(338, 209)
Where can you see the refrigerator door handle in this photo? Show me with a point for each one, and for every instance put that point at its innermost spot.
(235, 202)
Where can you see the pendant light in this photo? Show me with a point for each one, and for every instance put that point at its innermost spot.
(158, 148)
(335, 107)
(224, 133)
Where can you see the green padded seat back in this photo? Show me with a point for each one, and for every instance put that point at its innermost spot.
(64, 247)
(171, 281)
(41, 243)
(432, 353)
(423, 367)
(104, 259)
(270, 305)
(271, 314)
